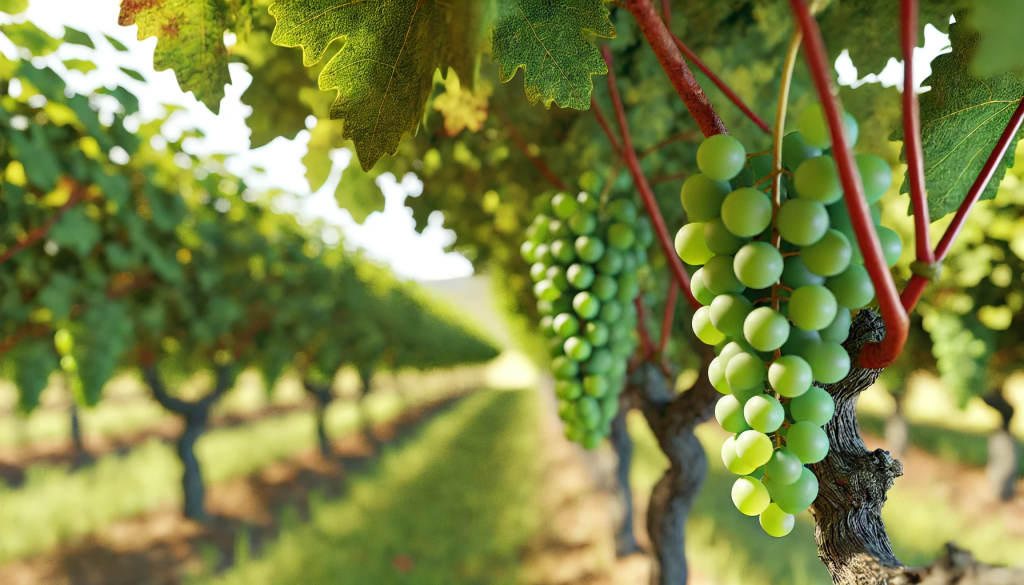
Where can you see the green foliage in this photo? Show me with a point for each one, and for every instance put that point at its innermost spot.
(76, 37)
(1001, 47)
(13, 6)
(31, 38)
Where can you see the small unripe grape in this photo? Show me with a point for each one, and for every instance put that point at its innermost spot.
(621, 236)
(795, 273)
(852, 287)
(799, 341)
(704, 329)
(526, 251)
(605, 287)
(562, 251)
(716, 374)
(797, 496)
(745, 371)
(790, 376)
(732, 461)
(702, 197)
(828, 256)
(807, 441)
(699, 290)
(622, 210)
(796, 150)
(802, 221)
(580, 276)
(720, 277)
(547, 325)
(775, 522)
(719, 239)
(746, 212)
(728, 313)
(758, 265)
(839, 329)
(589, 249)
(745, 394)
(542, 254)
(566, 325)
(690, 244)
(568, 389)
(818, 179)
(587, 201)
(731, 350)
(583, 223)
(564, 205)
(721, 157)
(784, 467)
(611, 263)
(765, 329)
(629, 287)
(892, 244)
(588, 410)
(586, 305)
(64, 342)
(540, 228)
(611, 311)
(812, 307)
(538, 271)
(763, 413)
(578, 348)
(815, 405)
(841, 222)
(750, 496)
(596, 385)
(754, 448)
(597, 333)
(729, 414)
(644, 232)
(828, 360)
(556, 274)
(546, 290)
(851, 128)
(564, 368)
(875, 174)
(814, 127)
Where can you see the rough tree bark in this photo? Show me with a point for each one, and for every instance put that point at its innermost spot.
(673, 419)
(625, 540)
(323, 396)
(1003, 457)
(851, 537)
(196, 415)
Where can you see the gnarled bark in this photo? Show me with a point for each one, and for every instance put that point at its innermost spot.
(625, 540)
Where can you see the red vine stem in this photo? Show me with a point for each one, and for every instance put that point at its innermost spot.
(646, 193)
(641, 324)
(897, 323)
(670, 313)
(661, 41)
(729, 93)
(912, 134)
(915, 288)
(537, 162)
(666, 11)
(684, 135)
(596, 108)
(78, 194)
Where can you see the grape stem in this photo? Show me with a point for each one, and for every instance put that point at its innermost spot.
(596, 108)
(646, 346)
(684, 135)
(646, 193)
(897, 322)
(666, 12)
(669, 316)
(78, 194)
(915, 288)
(912, 133)
(523, 146)
(780, 129)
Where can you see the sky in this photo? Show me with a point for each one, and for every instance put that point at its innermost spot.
(388, 236)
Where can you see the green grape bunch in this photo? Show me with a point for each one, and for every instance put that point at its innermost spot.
(584, 258)
(778, 283)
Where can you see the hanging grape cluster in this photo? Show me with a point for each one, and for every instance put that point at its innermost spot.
(778, 284)
(584, 258)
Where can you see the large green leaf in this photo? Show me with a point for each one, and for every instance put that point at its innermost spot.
(962, 117)
(1002, 45)
(546, 39)
(384, 71)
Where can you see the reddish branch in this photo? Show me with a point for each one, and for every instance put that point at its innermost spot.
(912, 134)
(685, 135)
(537, 162)
(670, 313)
(664, 46)
(596, 108)
(646, 345)
(912, 293)
(666, 12)
(78, 194)
(897, 323)
(646, 193)
(729, 93)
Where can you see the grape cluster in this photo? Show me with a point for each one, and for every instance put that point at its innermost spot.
(584, 261)
(806, 254)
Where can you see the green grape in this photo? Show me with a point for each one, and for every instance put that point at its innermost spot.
(815, 405)
(754, 448)
(729, 414)
(721, 157)
(574, 430)
(541, 228)
(547, 325)
(775, 522)
(592, 440)
(797, 496)
(818, 179)
(538, 270)
(589, 249)
(586, 305)
(784, 467)
(750, 496)
(807, 441)
(629, 263)
(745, 394)
(829, 256)
(875, 174)
(719, 239)
(568, 389)
(566, 325)
(790, 376)
(704, 329)
(644, 232)
(605, 287)
(621, 236)
(526, 251)
(796, 150)
(597, 333)
(700, 292)
(728, 312)
(559, 229)
(802, 221)
(588, 410)
(611, 311)
(583, 223)
(732, 461)
(564, 205)
(840, 218)
(851, 128)
(629, 287)
(641, 256)
(622, 210)
(716, 373)
(546, 290)
(610, 406)
(611, 263)
(746, 212)
(745, 371)
(812, 307)
(555, 347)
(733, 349)
(876, 213)
(795, 273)
(814, 127)
(828, 360)
(564, 368)
(758, 265)
(588, 202)
(578, 348)
(763, 413)
(580, 276)
(852, 287)
(839, 329)
(690, 244)
(799, 341)
(556, 274)
(596, 385)
(542, 254)
(765, 329)
(702, 197)
(720, 277)
(892, 244)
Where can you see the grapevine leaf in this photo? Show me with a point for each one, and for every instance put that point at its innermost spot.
(359, 193)
(546, 38)
(59, 294)
(1002, 46)
(31, 38)
(34, 361)
(79, 65)
(74, 230)
(133, 74)
(962, 347)
(962, 117)
(118, 45)
(384, 72)
(77, 37)
(13, 6)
